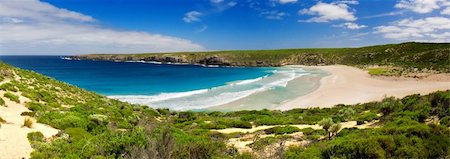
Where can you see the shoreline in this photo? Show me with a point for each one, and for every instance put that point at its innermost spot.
(350, 85)
(272, 98)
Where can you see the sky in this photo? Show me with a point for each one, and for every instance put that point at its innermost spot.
(68, 27)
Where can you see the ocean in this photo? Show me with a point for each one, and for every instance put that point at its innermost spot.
(178, 87)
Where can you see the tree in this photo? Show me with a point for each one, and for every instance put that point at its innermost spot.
(346, 113)
(326, 123)
(335, 128)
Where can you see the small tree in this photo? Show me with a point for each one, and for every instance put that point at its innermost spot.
(346, 113)
(334, 129)
(326, 123)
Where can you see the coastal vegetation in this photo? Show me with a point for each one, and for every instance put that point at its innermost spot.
(93, 126)
(396, 59)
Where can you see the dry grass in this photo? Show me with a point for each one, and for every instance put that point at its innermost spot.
(2, 121)
(28, 123)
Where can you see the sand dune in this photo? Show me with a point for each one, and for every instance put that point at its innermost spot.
(349, 85)
(13, 137)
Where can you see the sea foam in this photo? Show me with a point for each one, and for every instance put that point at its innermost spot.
(204, 98)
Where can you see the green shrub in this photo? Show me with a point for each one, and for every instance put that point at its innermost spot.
(2, 102)
(445, 121)
(12, 97)
(367, 116)
(8, 87)
(245, 155)
(76, 134)
(35, 136)
(280, 130)
(240, 124)
(31, 114)
(34, 106)
(70, 121)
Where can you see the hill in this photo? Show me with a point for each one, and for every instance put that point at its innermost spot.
(93, 126)
(409, 56)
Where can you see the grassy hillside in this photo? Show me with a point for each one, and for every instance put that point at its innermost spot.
(93, 126)
(432, 56)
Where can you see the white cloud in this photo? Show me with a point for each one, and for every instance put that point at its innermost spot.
(202, 29)
(286, 1)
(34, 27)
(326, 12)
(216, 1)
(446, 11)
(349, 25)
(434, 29)
(192, 16)
(348, 1)
(420, 6)
(231, 4)
(36, 10)
(277, 15)
(383, 15)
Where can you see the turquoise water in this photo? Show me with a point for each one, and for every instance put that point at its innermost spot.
(179, 87)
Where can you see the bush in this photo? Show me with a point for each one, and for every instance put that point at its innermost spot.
(34, 106)
(76, 134)
(12, 97)
(367, 116)
(240, 124)
(31, 114)
(35, 136)
(445, 121)
(2, 102)
(280, 130)
(70, 121)
(8, 87)
(28, 122)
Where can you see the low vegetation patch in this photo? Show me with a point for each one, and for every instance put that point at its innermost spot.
(35, 136)
(280, 130)
(8, 87)
(2, 121)
(12, 97)
(2, 102)
(28, 122)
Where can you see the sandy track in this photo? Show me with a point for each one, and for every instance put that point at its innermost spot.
(13, 137)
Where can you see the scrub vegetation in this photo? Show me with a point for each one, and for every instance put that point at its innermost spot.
(93, 126)
(396, 59)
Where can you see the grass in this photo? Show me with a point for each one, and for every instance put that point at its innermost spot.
(12, 97)
(2, 121)
(28, 122)
(383, 71)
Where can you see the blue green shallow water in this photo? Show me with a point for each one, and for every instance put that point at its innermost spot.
(178, 87)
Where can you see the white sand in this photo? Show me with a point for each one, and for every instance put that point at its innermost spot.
(13, 137)
(348, 124)
(349, 85)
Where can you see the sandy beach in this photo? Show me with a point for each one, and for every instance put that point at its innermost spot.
(350, 85)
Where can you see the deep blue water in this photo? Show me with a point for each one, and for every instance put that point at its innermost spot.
(124, 78)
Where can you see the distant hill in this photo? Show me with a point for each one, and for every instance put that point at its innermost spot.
(432, 56)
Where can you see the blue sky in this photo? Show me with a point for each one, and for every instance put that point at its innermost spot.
(134, 26)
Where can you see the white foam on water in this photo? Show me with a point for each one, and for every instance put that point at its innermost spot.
(200, 99)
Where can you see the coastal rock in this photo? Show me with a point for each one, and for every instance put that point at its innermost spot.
(214, 60)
